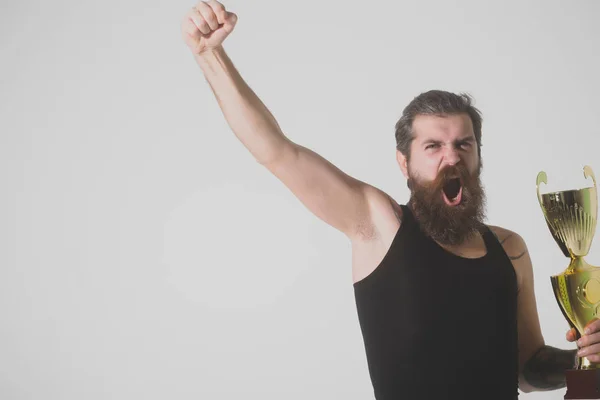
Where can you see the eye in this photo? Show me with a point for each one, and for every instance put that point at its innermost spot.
(465, 145)
(431, 146)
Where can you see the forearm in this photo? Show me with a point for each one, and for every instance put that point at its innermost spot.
(250, 120)
(545, 370)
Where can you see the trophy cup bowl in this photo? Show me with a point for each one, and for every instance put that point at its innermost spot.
(571, 217)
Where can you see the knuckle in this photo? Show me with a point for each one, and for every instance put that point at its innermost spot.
(217, 6)
(201, 23)
(211, 18)
(207, 13)
(205, 5)
(197, 19)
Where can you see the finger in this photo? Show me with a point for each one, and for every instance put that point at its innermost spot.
(231, 18)
(208, 14)
(219, 10)
(594, 358)
(189, 27)
(199, 21)
(589, 340)
(589, 350)
(571, 335)
(592, 326)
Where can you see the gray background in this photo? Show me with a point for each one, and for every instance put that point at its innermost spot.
(145, 254)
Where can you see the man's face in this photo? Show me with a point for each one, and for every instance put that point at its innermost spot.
(443, 173)
(440, 142)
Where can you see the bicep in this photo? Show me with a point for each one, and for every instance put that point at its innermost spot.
(333, 196)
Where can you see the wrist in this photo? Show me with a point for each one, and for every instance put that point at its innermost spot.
(209, 54)
(212, 60)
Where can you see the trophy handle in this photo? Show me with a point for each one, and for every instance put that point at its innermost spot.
(587, 172)
(543, 178)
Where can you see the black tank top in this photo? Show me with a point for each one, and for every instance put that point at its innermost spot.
(439, 326)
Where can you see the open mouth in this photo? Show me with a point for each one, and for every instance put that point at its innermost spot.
(452, 192)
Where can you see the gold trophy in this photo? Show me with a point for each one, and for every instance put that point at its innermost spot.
(571, 217)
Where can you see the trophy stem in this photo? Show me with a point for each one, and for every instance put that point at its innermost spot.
(578, 264)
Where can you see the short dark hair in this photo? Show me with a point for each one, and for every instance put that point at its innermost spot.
(436, 102)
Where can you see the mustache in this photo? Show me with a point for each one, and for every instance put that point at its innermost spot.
(452, 172)
(446, 174)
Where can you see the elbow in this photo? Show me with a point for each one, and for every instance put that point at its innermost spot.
(524, 386)
(275, 154)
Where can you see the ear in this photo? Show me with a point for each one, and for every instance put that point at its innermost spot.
(402, 162)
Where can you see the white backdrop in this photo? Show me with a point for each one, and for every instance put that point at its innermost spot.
(145, 254)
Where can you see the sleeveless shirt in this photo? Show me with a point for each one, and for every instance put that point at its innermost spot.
(439, 326)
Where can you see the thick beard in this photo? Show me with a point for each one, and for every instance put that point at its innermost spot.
(449, 225)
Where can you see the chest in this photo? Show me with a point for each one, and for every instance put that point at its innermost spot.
(368, 255)
(418, 281)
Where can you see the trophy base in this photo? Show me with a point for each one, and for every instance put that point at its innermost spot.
(583, 384)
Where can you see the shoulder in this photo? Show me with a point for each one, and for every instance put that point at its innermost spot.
(516, 249)
(514, 245)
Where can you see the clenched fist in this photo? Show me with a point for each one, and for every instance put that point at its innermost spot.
(206, 26)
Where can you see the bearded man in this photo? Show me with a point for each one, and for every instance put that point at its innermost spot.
(445, 302)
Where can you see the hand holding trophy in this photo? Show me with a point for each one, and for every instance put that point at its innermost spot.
(571, 216)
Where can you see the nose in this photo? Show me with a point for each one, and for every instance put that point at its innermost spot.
(451, 156)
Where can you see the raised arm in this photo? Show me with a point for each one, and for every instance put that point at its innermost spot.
(330, 194)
